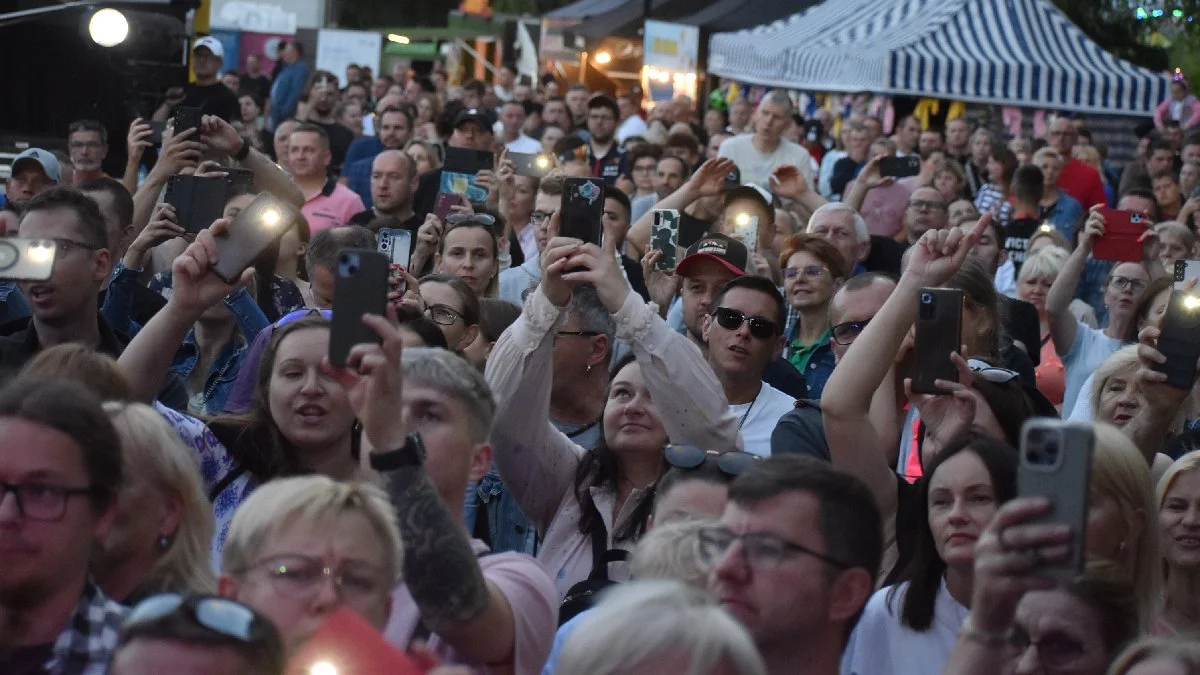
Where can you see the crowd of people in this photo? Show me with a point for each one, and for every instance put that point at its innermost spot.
(559, 457)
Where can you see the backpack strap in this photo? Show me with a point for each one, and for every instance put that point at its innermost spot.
(602, 555)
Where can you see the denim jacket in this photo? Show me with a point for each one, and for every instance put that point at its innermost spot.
(13, 305)
(508, 529)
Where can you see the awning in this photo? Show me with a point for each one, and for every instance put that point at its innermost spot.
(1007, 52)
(585, 8)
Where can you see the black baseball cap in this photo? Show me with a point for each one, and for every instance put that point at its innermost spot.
(729, 252)
(475, 115)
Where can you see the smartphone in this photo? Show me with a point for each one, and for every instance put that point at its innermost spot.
(198, 201)
(938, 333)
(445, 200)
(396, 245)
(256, 228)
(239, 180)
(1177, 341)
(186, 118)
(666, 238)
(156, 131)
(745, 230)
(345, 643)
(1121, 232)
(733, 179)
(582, 209)
(533, 165)
(1056, 463)
(1185, 271)
(900, 167)
(27, 259)
(360, 287)
(465, 160)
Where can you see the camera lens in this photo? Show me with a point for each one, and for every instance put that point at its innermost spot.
(1033, 457)
(927, 298)
(9, 255)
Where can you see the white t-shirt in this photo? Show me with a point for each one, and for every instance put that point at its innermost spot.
(634, 126)
(524, 144)
(757, 167)
(761, 416)
(1082, 411)
(1089, 350)
(881, 645)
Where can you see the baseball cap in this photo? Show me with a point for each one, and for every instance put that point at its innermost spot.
(729, 252)
(473, 115)
(45, 158)
(213, 45)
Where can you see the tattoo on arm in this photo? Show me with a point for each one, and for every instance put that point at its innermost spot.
(440, 569)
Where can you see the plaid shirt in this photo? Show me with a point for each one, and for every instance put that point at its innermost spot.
(87, 644)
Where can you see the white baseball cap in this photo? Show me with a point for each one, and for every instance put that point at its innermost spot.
(213, 45)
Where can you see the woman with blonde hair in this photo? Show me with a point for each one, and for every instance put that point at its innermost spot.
(1059, 209)
(1179, 528)
(1158, 656)
(160, 539)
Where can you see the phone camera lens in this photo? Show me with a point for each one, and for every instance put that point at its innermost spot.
(927, 298)
(9, 255)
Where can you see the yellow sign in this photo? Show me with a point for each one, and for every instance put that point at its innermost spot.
(663, 46)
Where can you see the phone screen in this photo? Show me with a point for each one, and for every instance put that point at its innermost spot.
(582, 209)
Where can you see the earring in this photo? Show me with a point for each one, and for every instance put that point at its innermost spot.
(164, 542)
(589, 368)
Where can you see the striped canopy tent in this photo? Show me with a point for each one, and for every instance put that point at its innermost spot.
(1007, 52)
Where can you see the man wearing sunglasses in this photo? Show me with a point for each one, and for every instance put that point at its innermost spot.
(744, 333)
(55, 505)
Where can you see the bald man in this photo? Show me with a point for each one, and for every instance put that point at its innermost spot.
(393, 186)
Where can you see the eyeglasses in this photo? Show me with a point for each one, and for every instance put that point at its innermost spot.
(845, 333)
(922, 205)
(302, 576)
(991, 373)
(1121, 283)
(538, 216)
(689, 457)
(577, 333)
(764, 551)
(41, 502)
(809, 271)
(731, 319)
(1053, 651)
(302, 313)
(219, 615)
(65, 246)
(645, 168)
(80, 145)
(443, 315)
(483, 219)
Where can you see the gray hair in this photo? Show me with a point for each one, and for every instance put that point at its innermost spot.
(1045, 264)
(324, 247)
(590, 312)
(861, 233)
(777, 97)
(450, 373)
(673, 620)
(672, 551)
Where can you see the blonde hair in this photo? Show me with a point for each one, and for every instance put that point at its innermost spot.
(1186, 464)
(309, 500)
(1185, 652)
(1048, 152)
(672, 551)
(1121, 473)
(1179, 230)
(1122, 360)
(151, 449)
(673, 619)
(1088, 155)
(1059, 239)
(1045, 264)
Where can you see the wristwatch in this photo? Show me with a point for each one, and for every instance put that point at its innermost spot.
(412, 453)
(241, 154)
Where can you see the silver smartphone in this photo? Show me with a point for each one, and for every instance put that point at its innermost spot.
(1185, 271)
(396, 245)
(27, 259)
(1056, 463)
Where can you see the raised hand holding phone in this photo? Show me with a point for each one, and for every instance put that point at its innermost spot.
(193, 288)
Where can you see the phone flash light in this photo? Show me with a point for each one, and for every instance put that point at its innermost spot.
(41, 253)
(1046, 227)
(1191, 302)
(742, 219)
(323, 668)
(542, 162)
(271, 217)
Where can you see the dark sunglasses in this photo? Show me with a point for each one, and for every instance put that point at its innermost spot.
(688, 457)
(731, 319)
(219, 615)
(846, 333)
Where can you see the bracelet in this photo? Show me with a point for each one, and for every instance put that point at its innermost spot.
(983, 637)
(241, 154)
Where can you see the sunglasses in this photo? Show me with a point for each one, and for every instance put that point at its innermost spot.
(688, 457)
(732, 319)
(992, 373)
(219, 615)
(301, 313)
(846, 333)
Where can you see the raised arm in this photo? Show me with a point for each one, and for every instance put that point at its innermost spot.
(848, 394)
(136, 143)
(179, 153)
(1063, 325)
(868, 179)
(148, 357)
(789, 182)
(709, 180)
(268, 177)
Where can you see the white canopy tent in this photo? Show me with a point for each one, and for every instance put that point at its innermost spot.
(1005, 52)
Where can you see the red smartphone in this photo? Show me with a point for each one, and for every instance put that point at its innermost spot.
(441, 207)
(346, 643)
(1122, 229)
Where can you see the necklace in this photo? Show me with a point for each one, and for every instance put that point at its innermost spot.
(747, 413)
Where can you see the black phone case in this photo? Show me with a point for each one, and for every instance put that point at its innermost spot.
(359, 287)
(156, 131)
(900, 167)
(198, 201)
(582, 209)
(1179, 340)
(463, 160)
(939, 329)
(526, 164)
(187, 118)
(240, 180)
(249, 234)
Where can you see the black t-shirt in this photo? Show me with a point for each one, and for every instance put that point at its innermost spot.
(340, 139)
(1021, 322)
(908, 515)
(364, 218)
(1016, 238)
(885, 256)
(259, 84)
(213, 99)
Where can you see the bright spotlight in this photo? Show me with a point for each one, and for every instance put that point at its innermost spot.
(603, 58)
(108, 27)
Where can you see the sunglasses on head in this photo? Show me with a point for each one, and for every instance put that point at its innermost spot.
(732, 319)
(992, 373)
(301, 313)
(483, 219)
(687, 457)
(219, 615)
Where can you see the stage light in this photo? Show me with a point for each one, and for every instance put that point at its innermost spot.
(108, 27)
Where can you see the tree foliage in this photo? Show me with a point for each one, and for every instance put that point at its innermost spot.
(1117, 29)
